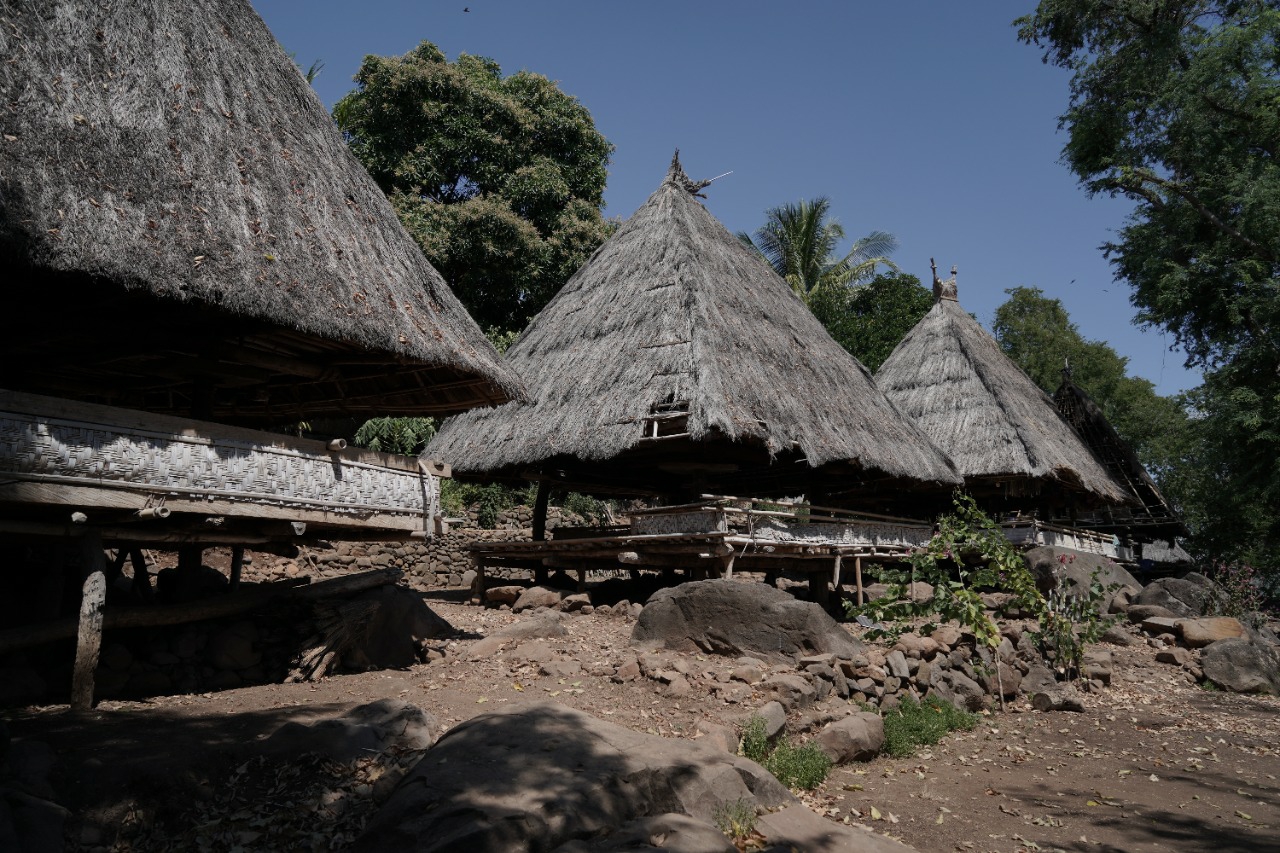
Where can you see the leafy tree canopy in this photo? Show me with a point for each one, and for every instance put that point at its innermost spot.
(800, 241)
(1175, 105)
(499, 179)
(872, 319)
(1036, 332)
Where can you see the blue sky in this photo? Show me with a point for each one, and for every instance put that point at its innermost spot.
(928, 120)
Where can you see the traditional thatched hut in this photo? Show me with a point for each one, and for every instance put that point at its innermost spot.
(1150, 517)
(182, 230)
(1001, 430)
(677, 362)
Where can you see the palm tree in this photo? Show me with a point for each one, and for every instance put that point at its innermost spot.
(799, 242)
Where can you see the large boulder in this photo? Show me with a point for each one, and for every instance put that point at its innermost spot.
(1198, 633)
(858, 737)
(728, 617)
(399, 622)
(1048, 564)
(1242, 665)
(1188, 596)
(538, 776)
(363, 731)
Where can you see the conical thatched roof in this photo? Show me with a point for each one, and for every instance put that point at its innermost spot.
(1150, 517)
(677, 360)
(1000, 429)
(183, 229)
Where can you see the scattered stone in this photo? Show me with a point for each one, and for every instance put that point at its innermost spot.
(539, 625)
(1116, 635)
(946, 636)
(957, 688)
(1158, 625)
(1056, 701)
(721, 737)
(1142, 612)
(729, 617)
(858, 737)
(359, 733)
(537, 596)
(897, 664)
(1187, 596)
(627, 671)
(775, 719)
(1177, 656)
(1242, 666)
(793, 691)
(561, 668)
(1198, 633)
(1098, 664)
(503, 594)
(797, 828)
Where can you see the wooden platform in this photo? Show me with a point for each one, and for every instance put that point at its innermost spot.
(157, 480)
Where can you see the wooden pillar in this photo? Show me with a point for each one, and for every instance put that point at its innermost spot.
(540, 511)
(818, 592)
(141, 576)
(478, 585)
(89, 635)
(237, 563)
(727, 565)
(582, 580)
(857, 579)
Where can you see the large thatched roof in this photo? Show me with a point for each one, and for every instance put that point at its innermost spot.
(677, 360)
(183, 229)
(1000, 429)
(1150, 517)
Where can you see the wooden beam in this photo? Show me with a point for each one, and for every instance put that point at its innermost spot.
(89, 624)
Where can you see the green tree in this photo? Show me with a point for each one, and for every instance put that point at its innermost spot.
(499, 179)
(872, 319)
(1036, 332)
(800, 241)
(1175, 105)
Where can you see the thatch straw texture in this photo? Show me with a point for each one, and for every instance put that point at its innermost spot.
(949, 375)
(1150, 516)
(170, 158)
(673, 314)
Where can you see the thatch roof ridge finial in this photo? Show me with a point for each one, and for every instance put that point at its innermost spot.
(944, 289)
(677, 176)
(1066, 370)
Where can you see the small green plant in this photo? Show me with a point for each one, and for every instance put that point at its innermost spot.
(915, 724)
(737, 820)
(802, 767)
(1072, 621)
(969, 552)
(489, 500)
(755, 744)
(586, 507)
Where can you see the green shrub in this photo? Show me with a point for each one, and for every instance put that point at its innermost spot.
(737, 820)
(406, 436)
(754, 743)
(916, 724)
(802, 767)
(585, 506)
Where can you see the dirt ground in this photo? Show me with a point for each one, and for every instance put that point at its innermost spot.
(1154, 762)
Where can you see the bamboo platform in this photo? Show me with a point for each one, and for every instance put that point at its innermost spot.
(157, 480)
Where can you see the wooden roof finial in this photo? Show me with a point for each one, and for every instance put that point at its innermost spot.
(944, 288)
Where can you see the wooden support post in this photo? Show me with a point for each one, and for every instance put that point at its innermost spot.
(89, 634)
(727, 563)
(540, 511)
(582, 580)
(478, 585)
(698, 573)
(541, 574)
(116, 567)
(668, 575)
(141, 576)
(237, 564)
(818, 592)
(835, 575)
(857, 578)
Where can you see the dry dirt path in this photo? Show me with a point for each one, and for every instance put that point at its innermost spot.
(1154, 762)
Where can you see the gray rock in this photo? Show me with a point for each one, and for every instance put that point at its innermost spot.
(730, 617)
(775, 719)
(1242, 666)
(897, 664)
(1177, 656)
(502, 594)
(1039, 679)
(957, 688)
(535, 777)
(537, 596)
(1197, 633)
(1057, 701)
(1048, 564)
(359, 733)
(793, 691)
(1097, 664)
(537, 626)
(678, 833)
(797, 828)
(858, 737)
(1116, 635)
(1189, 595)
(1143, 612)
